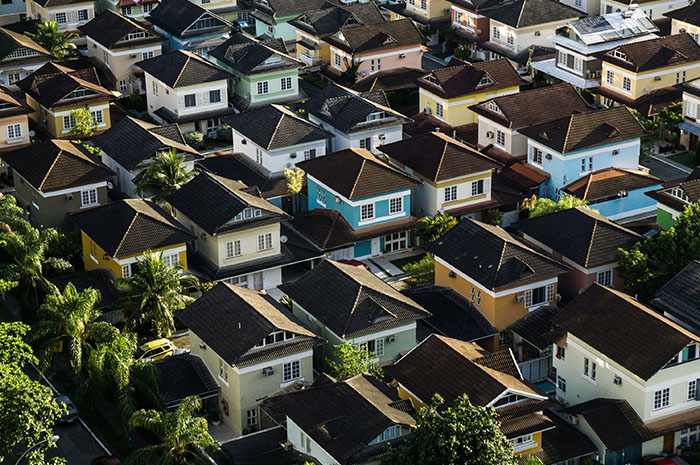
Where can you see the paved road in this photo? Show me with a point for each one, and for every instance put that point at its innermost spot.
(75, 444)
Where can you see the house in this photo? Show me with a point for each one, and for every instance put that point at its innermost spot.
(678, 298)
(13, 11)
(187, 26)
(690, 126)
(21, 56)
(501, 275)
(633, 70)
(358, 205)
(116, 235)
(240, 237)
(315, 25)
(130, 8)
(585, 241)
(470, 23)
(276, 137)
(129, 146)
(234, 11)
(186, 89)
(451, 368)
(685, 19)
(14, 121)
(55, 90)
(448, 93)
(533, 349)
(342, 422)
(184, 375)
(456, 178)
(356, 119)
(574, 146)
(56, 177)
(119, 42)
(252, 344)
(501, 118)
(68, 14)
(361, 309)
(654, 9)
(267, 446)
(264, 72)
(272, 18)
(617, 193)
(579, 43)
(673, 197)
(628, 394)
(101, 280)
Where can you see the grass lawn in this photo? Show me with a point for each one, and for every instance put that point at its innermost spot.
(686, 158)
(401, 262)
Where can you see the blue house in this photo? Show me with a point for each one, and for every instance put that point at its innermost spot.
(575, 146)
(358, 205)
(187, 26)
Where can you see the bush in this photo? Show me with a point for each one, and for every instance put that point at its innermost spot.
(195, 139)
(223, 133)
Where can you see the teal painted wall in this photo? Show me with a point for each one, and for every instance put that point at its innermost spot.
(363, 249)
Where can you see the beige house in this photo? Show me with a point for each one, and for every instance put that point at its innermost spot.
(14, 122)
(20, 56)
(68, 14)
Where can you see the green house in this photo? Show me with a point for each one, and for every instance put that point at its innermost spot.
(673, 197)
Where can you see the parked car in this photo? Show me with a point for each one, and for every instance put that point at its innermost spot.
(154, 350)
(106, 460)
(354, 262)
(656, 459)
(72, 413)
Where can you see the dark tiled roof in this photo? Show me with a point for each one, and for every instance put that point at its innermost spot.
(388, 35)
(351, 301)
(130, 227)
(264, 448)
(609, 182)
(438, 157)
(356, 174)
(535, 326)
(463, 78)
(16, 106)
(623, 329)
(274, 127)
(181, 376)
(646, 55)
(522, 176)
(181, 68)
(248, 56)
(452, 315)
(562, 443)
(585, 130)
(240, 167)
(232, 320)
(212, 202)
(580, 234)
(680, 296)
(57, 164)
(53, 3)
(176, 16)
(131, 141)
(11, 41)
(526, 424)
(100, 279)
(526, 13)
(650, 103)
(493, 257)
(282, 8)
(390, 79)
(331, 19)
(691, 187)
(689, 14)
(109, 27)
(532, 107)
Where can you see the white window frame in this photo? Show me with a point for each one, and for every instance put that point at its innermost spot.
(500, 138)
(88, 198)
(264, 241)
(605, 278)
(367, 212)
(286, 83)
(478, 187)
(63, 15)
(662, 399)
(291, 371)
(626, 84)
(439, 110)
(396, 206)
(126, 270)
(561, 384)
(14, 131)
(451, 193)
(251, 417)
(233, 248)
(263, 87)
(692, 389)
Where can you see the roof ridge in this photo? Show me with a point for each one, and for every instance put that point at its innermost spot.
(520, 16)
(442, 158)
(590, 243)
(588, 185)
(277, 126)
(357, 178)
(126, 233)
(354, 305)
(182, 70)
(48, 172)
(568, 131)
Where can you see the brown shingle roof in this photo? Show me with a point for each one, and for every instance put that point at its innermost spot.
(608, 182)
(464, 78)
(381, 36)
(646, 55)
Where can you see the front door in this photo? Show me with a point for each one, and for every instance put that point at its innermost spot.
(376, 249)
(258, 281)
(669, 443)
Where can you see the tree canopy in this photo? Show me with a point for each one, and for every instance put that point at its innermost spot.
(166, 174)
(59, 44)
(435, 226)
(543, 206)
(353, 361)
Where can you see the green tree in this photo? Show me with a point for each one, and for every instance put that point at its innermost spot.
(154, 292)
(295, 180)
(85, 124)
(181, 436)
(434, 227)
(12, 216)
(348, 77)
(57, 43)
(352, 361)
(70, 319)
(166, 174)
(463, 434)
(421, 272)
(543, 206)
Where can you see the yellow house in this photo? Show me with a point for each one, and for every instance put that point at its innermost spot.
(448, 93)
(116, 235)
(632, 71)
(54, 91)
(501, 276)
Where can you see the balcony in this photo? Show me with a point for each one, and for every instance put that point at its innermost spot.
(310, 60)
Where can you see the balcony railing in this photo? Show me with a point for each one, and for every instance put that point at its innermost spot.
(309, 59)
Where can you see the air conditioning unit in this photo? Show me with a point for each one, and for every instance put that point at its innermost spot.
(69, 196)
(617, 380)
(489, 134)
(391, 338)
(520, 297)
(268, 371)
(427, 110)
(616, 152)
(573, 419)
(246, 96)
(381, 137)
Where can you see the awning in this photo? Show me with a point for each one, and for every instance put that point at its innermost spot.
(689, 127)
(307, 44)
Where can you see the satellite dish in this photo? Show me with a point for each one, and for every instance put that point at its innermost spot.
(32, 133)
(283, 239)
(110, 186)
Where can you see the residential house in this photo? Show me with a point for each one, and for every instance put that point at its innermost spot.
(264, 72)
(187, 26)
(470, 23)
(184, 375)
(21, 56)
(129, 146)
(533, 349)
(579, 43)
(456, 178)
(315, 25)
(342, 422)
(68, 14)
(356, 119)
(362, 310)
(654, 9)
(632, 71)
(252, 345)
(690, 126)
(186, 89)
(266, 446)
(574, 146)
(358, 205)
(116, 235)
(55, 90)
(56, 177)
(628, 394)
(501, 275)
(103, 281)
(678, 298)
(276, 137)
(233, 11)
(584, 240)
(14, 121)
(618, 194)
(240, 237)
(673, 197)
(448, 93)
(13, 11)
(272, 18)
(118, 43)
(501, 118)
(450, 368)
(137, 10)
(685, 19)
(376, 47)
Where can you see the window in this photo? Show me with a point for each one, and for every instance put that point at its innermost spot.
(321, 196)
(692, 389)
(609, 77)
(662, 398)
(122, 86)
(536, 156)
(14, 131)
(68, 122)
(309, 154)
(126, 10)
(88, 197)
(496, 33)
(501, 138)
(561, 384)
(286, 83)
(450, 193)
(223, 370)
(126, 271)
(264, 241)
(561, 57)
(291, 370)
(690, 436)
(263, 87)
(371, 66)
(578, 64)
(61, 18)
(276, 336)
(367, 212)
(379, 63)
(439, 110)
(214, 96)
(395, 242)
(577, 3)
(589, 368)
(375, 346)
(539, 296)
(423, 4)
(206, 23)
(97, 116)
(510, 39)
(395, 205)
(83, 15)
(627, 83)
(148, 7)
(154, 89)
(259, 156)
(478, 297)
(171, 261)
(604, 278)
(478, 187)
(366, 143)
(471, 299)
(337, 61)
(147, 55)
(233, 248)
(13, 77)
(190, 100)
(561, 353)
(251, 417)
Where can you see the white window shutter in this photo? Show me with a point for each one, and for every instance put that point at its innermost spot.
(205, 98)
(528, 298)
(181, 101)
(550, 293)
(200, 99)
(52, 17)
(487, 185)
(73, 16)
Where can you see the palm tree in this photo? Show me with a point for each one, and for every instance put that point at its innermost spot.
(11, 215)
(181, 436)
(435, 226)
(165, 175)
(70, 318)
(154, 292)
(57, 43)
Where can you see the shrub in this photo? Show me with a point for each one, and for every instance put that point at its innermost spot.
(195, 139)
(223, 133)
